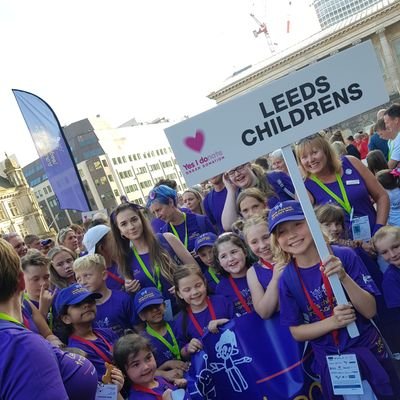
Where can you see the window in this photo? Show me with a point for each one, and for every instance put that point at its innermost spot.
(13, 208)
(49, 189)
(97, 165)
(2, 213)
(134, 157)
(45, 190)
(103, 180)
(110, 178)
(114, 160)
(396, 47)
(104, 163)
(130, 157)
(116, 192)
(123, 158)
(119, 160)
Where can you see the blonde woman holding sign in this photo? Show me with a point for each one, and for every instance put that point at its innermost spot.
(346, 182)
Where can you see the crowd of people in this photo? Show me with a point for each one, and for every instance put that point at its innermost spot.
(126, 300)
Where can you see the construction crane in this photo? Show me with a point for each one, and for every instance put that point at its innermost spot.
(263, 29)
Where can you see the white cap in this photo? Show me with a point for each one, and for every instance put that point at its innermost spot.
(93, 236)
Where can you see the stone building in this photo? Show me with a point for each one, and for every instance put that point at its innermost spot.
(19, 209)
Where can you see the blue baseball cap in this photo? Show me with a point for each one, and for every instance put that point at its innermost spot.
(289, 210)
(205, 239)
(72, 295)
(147, 297)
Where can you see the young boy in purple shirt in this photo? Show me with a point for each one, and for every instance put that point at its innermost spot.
(114, 308)
(149, 305)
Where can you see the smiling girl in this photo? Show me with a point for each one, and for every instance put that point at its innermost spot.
(232, 261)
(308, 306)
(199, 311)
(262, 276)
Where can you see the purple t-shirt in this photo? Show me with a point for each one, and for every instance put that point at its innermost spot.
(225, 289)
(185, 328)
(391, 286)
(282, 185)
(101, 345)
(28, 317)
(117, 313)
(161, 352)
(163, 385)
(196, 225)
(295, 310)
(356, 191)
(78, 374)
(264, 274)
(214, 205)
(114, 280)
(28, 366)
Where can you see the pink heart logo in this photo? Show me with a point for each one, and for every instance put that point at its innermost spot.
(195, 143)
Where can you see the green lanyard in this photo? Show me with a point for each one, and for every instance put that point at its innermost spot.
(176, 233)
(147, 272)
(213, 275)
(343, 202)
(174, 349)
(6, 317)
(390, 147)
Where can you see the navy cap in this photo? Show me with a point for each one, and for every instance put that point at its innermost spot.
(147, 297)
(205, 239)
(289, 210)
(72, 295)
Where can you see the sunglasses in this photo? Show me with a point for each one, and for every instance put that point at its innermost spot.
(238, 169)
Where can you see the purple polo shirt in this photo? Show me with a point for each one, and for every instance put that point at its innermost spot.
(282, 185)
(28, 317)
(92, 355)
(225, 289)
(356, 191)
(391, 286)
(117, 313)
(28, 366)
(214, 205)
(184, 326)
(264, 274)
(114, 280)
(163, 385)
(196, 225)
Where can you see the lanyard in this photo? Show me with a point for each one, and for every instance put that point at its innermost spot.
(157, 283)
(317, 311)
(267, 264)
(239, 295)
(98, 351)
(115, 277)
(344, 202)
(176, 233)
(213, 275)
(194, 320)
(140, 388)
(174, 348)
(6, 317)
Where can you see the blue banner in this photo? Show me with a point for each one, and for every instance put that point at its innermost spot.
(53, 150)
(251, 359)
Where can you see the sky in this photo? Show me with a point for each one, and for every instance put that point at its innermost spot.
(131, 59)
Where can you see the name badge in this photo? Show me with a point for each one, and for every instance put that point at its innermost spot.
(106, 392)
(360, 228)
(345, 374)
(353, 182)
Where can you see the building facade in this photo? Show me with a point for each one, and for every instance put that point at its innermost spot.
(330, 12)
(379, 23)
(19, 209)
(112, 162)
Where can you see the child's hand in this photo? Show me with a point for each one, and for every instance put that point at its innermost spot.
(117, 378)
(182, 365)
(343, 315)
(172, 374)
(230, 186)
(369, 248)
(132, 286)
(332, 265)
(214, 324)
(194, 346)
(277, 271)
(45, 299)
(180, 383)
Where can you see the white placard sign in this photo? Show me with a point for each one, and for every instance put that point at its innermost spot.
(278, 113)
